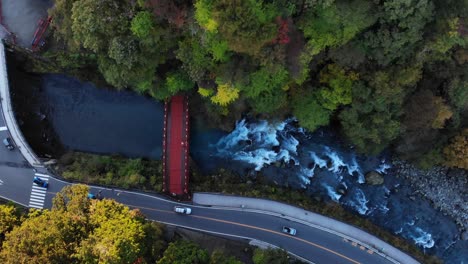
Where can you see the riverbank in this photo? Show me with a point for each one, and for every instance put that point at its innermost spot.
(446, 188)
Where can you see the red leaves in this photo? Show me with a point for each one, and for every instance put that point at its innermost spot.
(283, 31)
(170, 11)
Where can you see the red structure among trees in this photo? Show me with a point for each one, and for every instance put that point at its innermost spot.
(176, 147)
(38, 40)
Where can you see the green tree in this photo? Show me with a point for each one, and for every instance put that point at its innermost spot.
(62, 23)
(175, 82)
(268, 102)
(246, 25)
(309, 112)
(217, 257)
(97, 22)
(458, 93)
(339, 87)
(154, 241)
(196, 59)
(371, 122)
(184, 252)
(142, 24)
(266, 79)
(400, 28)
(270, 256)
(332, 25)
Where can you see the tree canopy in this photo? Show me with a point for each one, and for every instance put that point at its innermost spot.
(77, 230)
(360, 63)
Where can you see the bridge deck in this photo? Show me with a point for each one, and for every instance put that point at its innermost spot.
(176, 147)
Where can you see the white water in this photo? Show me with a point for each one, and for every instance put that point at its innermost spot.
(254, 143)
(319, 166)
(332, 193)
(423, 238)
(382, 169)
(359, 202)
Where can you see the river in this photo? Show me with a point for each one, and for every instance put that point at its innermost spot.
(60, 113)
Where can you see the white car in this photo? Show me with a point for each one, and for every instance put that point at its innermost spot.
(289, 230)
(182, 210)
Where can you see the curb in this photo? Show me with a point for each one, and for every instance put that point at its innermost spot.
(248, 205)
(8, 115)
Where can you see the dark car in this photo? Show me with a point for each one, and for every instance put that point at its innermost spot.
(8, 143)
(40, 182)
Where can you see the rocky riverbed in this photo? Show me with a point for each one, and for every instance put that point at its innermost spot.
(446, 188)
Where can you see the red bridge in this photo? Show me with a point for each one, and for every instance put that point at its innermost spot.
(176, 147)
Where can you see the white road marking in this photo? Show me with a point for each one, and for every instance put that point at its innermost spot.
(35, 200)
(36, 203)
(39, 189)
(1, 182)
(38, 194)
(35, 206)
(3, 128)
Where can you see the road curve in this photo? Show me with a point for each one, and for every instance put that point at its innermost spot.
(311, 244)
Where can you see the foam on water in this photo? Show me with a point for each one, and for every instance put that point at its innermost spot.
(231, 140)
(422, 238)
(305, 174)
(354, 167)
(318, 161)
(336, 162)
(253, 143)
(332, 193)
(359, 202)
(258, 157)
(290, 144)
(382, 169)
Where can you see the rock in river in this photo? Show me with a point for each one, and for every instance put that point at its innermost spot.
(374, 178)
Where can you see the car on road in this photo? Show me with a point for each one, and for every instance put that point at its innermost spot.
(8, 143)
(93, 196)
(289, 230)
(40, 182)
(182, 210)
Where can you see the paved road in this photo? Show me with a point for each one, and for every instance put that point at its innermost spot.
(312, 244)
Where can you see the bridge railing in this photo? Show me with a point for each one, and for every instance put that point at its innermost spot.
(9, 114)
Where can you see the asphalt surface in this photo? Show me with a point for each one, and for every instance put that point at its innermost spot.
(312, 244)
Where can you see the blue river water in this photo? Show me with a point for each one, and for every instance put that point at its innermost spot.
(90, 119)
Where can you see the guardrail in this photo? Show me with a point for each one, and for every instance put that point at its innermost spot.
(9, 114)
(293, 213)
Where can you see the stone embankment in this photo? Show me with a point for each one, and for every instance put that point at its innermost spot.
(446, 188)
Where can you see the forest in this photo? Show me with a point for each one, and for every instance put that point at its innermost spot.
(82, 230)
(383, 73)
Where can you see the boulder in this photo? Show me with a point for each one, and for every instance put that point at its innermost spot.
(464, 236)
(374, 178)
